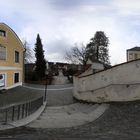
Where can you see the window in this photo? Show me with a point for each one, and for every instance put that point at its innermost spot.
(130, 56)
(136, 56)
(16, 56)
(2, 80)
(2, 33)
(2, 52)
(16, 78)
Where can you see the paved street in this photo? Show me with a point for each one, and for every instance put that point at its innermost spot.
(120, 122)
(57, 95)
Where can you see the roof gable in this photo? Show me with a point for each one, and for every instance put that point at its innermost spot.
(12, 31)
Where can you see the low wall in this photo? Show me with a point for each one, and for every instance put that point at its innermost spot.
(120, 83)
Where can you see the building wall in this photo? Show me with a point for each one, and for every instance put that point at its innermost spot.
(133, 55)
(9, 66)
(120, 83)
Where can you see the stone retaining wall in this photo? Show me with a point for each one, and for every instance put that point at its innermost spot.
(120, 83)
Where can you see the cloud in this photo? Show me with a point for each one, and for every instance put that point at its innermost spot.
(57, 50)
(64, 4)
(68, 4)
(127, 7)
(62, 23)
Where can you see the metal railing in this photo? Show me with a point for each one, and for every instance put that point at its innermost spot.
(20, 110)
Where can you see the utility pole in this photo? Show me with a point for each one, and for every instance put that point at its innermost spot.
(46, 84)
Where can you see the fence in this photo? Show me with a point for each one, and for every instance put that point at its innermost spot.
(19, 111)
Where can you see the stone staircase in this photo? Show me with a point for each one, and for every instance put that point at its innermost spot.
(60, 80)
(69, 115)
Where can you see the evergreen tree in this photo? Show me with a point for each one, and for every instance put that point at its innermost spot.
(97, 49)
(40, 60)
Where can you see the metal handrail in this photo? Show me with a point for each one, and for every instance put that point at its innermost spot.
(16, 104)
(20, 110)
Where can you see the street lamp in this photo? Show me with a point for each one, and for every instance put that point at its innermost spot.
(46, 76)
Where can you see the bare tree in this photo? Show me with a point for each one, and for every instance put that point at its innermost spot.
(77, 54)
(28, 55)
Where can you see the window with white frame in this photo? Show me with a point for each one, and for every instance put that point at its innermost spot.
(2, 33)
(16, 56)
(16, 77)
(2, 52)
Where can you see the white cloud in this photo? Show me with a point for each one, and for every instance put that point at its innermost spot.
(62, 26)
(127, 7)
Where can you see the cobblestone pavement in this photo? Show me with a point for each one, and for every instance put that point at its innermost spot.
(120, 122)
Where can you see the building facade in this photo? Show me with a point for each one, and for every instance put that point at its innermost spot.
(11, 58)
(133, 53)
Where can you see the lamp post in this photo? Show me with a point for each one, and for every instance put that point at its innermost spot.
(46, 76)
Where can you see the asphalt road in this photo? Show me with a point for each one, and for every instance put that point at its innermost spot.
(57, 95)
(120, 122)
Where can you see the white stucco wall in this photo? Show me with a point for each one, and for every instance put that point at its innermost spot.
(120, 83)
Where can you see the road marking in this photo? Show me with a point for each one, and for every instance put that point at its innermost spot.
(48, 88)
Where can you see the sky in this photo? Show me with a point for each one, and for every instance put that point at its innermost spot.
(63, 23)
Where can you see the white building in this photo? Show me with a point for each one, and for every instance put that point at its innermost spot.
(133, 53)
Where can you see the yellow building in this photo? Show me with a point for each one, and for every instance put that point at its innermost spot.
(133, 53)
(11, 58)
